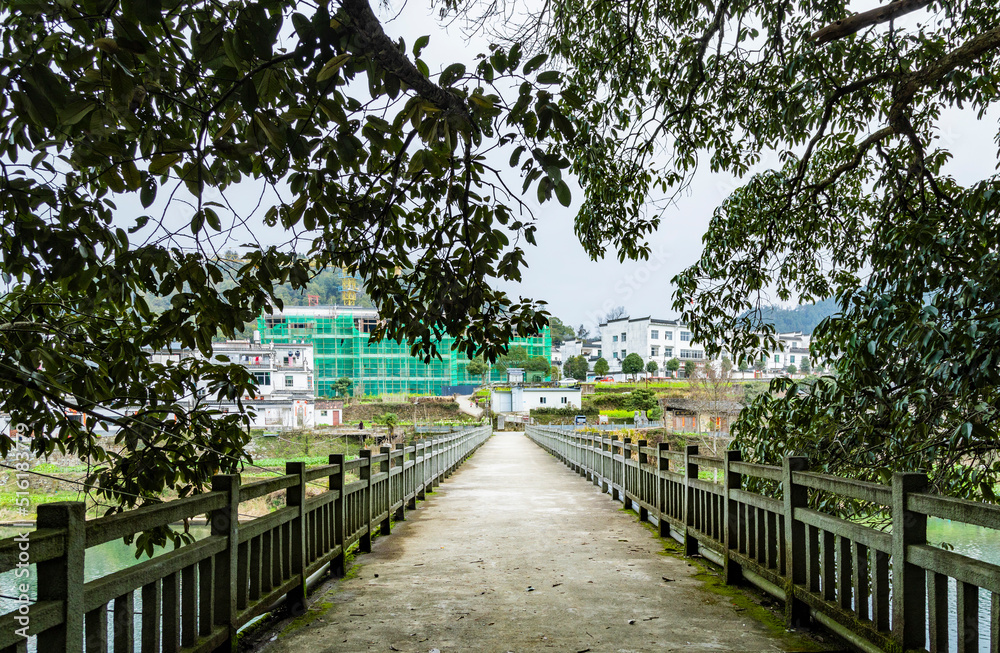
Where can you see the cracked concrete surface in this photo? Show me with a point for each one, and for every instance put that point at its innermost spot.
(515, 552)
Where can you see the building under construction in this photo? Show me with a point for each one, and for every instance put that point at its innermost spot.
(339, 337)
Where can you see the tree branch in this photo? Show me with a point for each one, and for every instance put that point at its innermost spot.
(857, 22)
(376, 44)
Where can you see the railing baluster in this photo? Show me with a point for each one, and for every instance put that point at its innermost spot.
(967, 618)
(151, 597)
(189, 598)
(937, 595)
(206, 598)
(96, 623)
(844, 575)
(124, 623)
(171, 613)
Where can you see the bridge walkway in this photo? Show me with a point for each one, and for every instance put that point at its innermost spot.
(515, 552)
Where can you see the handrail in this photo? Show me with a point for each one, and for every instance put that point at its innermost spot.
(847, 575)
(203, 592)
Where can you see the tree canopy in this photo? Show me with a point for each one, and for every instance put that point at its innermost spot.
(633, 365)
(576, 367)
(560, 332)
(601, 367)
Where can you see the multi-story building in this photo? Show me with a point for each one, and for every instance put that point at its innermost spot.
(652, 338)
(285, 393)
(339, 338)
(590, 349)
(660, 340)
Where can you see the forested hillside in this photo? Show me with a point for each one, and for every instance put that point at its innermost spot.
(327, 285)
(801, 318)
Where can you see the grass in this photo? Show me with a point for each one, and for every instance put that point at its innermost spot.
(308, 460)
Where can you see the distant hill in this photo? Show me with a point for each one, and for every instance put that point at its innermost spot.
(801, 318)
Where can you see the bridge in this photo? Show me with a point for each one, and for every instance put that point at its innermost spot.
(516, 552)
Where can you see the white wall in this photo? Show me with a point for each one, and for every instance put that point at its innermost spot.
(520, 400)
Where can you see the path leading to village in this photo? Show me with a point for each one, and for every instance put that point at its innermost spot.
(515, 552)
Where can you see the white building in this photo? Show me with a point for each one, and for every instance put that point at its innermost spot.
(521, 400)
(590, 349)
(660, 340)
(284, 373)
(652, 338)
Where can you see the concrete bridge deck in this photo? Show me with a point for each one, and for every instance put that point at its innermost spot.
(515, 552)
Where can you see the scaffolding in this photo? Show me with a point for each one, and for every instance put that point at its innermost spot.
(339, 336)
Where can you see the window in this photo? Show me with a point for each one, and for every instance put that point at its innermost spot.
(654, 335)
(289, 381)
(668, 335)
(777, 358)
(624, 353)
(563, 400)
(263, 378)
(654, 350)
(614, 355)
(614, 338)
(668, 352)
(598, 353)
(322, 413)
(791, 359)
(623, 337)
(541, 400)
(693, 354)
(685, 336)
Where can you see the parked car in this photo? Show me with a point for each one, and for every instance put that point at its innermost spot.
(580, 419)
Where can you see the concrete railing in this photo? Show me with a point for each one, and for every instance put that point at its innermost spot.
(879, 590)
(197, 597)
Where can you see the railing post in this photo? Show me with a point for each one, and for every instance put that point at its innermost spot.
(365, 473)
(732, 572)
(338, 480)
(627, 489)
(61, 579)
(226, 522)
(909, 585)
(421, 469)
(296, 496)
(690, 473)
(401, 483)
(605, 448)
(662, 465)
(615, 491)
(386, 507)
(643, 460)
(413, 480)
(794, 496)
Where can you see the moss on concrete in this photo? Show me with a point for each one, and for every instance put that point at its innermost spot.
(739, 597)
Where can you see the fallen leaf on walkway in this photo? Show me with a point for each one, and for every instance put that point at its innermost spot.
(583, 650)
(668, 580)
(531, 589)
(631, 622)
(557, 585)
(392, 648)
(650, 618)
